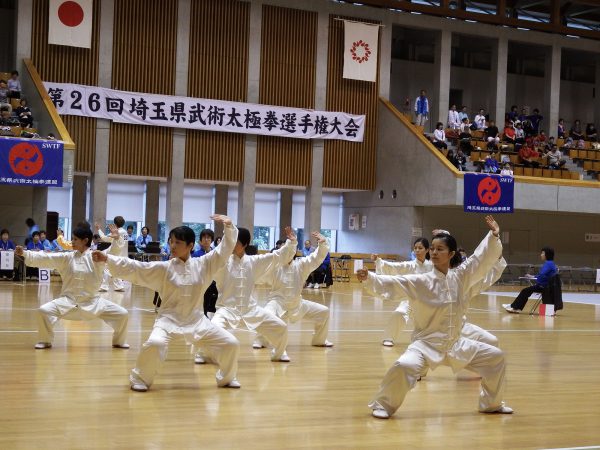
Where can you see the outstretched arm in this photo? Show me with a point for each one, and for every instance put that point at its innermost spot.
(312, 262)
(217, 258)
(147, 274)
(56, 261)
(387, 286)
(278, 257)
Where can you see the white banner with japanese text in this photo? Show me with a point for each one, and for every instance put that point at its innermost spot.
(204, 114)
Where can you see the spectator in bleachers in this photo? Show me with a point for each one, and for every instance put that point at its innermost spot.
(450, 157)
(143, 239)
(591, 134)
(490, 164)
(461, 160)
(465, 136)
(463, 114)
(555, 158)
(509, 135)
(536, 120)
(491, 135)
(561, 129)
(8, 120)
(569, 143)
(581, 144)
(421, 109)
(453, 118)
(523, 115)
(513, 115)
(480, 120)
(548, 146)
(519, 133)
(439, 136)
(506, 170)
(14, 85)
(4, 103)
(51, 137)
(24, 114)
(34, 243)
(542, 138)
(528, 155)
(576, 132)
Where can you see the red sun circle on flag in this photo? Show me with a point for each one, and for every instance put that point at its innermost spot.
(70, 13)
(25, 159)
(489, 191)
(360, 51)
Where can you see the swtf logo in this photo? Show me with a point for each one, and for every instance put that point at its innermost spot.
(489, 191)
(26, 159)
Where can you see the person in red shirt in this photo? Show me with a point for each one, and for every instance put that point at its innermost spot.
(509, 133)
(528, 155)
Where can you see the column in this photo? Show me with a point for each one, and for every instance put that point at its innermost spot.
(174, 211)
(79, 199)
(39, 206)
(23, 30)
(151, 216)
(499, 75)
(552, 90)
(438, 102)
(99, 177)
(221, 196)
(385, 57)
(285, 210)
(248, 185)
(596, 100)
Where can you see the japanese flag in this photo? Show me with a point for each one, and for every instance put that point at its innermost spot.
(70, 23)
(360, 51)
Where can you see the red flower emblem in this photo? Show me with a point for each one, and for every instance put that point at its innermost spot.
(360, 51)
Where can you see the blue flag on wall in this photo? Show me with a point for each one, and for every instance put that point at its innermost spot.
(488, 193)
(31, 162)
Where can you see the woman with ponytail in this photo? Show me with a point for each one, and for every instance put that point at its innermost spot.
(439, 300)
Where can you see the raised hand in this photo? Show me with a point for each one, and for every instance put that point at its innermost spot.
(318, 236)
(97, 226)
(493, 225)
(362, 274)
(289, 233)
(98, 256)
(374, 256)
(225, 220)
(114, 231)
(19, 250)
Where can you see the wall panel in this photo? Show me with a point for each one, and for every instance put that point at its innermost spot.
(287, 78)
(218, 68)
(349, 165)
(64, 64)
(144, 55)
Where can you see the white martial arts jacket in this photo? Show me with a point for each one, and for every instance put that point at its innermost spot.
(235, 282)
(439, 303)
(118, 246)
(287, 281)
(81, 277)
(181, 285)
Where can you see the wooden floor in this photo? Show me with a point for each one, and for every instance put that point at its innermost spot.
(76, 395)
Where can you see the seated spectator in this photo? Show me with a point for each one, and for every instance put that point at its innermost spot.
(24, 114)
(461, 160)
(205, 241)
(550, 143)
(519, 133)
(463, 114)
(51, 137)
(509, 135)
(480, 120)
(8, 120)
(143, 239)
(591, 134)
(555, 158)
(581, 144)
(569, 143)
(14, 85)
(453, 118)
(130, 236)
(450, 157)
(322, 275)
(439, 136)
(528, 155)
(490, 164)
(536, 120)
(278, 245)
(523, 116)
(465, 136)
(542, 138)
(491, 135)
(506, 170)
(561, 129)
(4, 103)
(5, 242)
(35, 243)
(308, 248)
(7, 245)
(45, 242)
(575, 132)
(513, 115)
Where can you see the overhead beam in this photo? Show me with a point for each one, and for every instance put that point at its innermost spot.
(555, 17)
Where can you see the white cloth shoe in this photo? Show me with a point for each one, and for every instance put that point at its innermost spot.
(123, 346)
(199, 359)
(233, 384)
(257, 345)
(42, 345)
(309, 285)
(380, 414)
(139, 387)
(510, 309)
(316, 286)
(388, 343)
(501, 410)
(282, 358)
(325, 344)
(103, 289)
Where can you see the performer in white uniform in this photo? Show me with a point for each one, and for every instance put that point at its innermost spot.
(440, 299)
(118, 247)
(237, 307)
(285, 297)
(421, 264)
(79, 298)
(181, 283)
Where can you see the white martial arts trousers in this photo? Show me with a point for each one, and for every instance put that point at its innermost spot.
(223, 346)
(476, 333)
(257, 319)
(307, 310)
(397, 322)
(108, 280)
(64, 308)
(488, 362)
